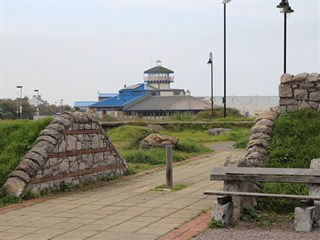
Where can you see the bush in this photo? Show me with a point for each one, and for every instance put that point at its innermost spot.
(250, 214)
(214, 224)
(9, 199)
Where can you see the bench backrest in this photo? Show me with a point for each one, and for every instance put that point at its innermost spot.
(248, 174)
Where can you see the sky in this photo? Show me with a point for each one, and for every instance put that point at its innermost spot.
(73, 49)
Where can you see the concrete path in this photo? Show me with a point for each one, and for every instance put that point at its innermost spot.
(124, 209)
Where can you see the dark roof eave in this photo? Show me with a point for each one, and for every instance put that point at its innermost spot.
(158, 69)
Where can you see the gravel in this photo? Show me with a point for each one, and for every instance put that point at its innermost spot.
(256, 234)
(283, 231)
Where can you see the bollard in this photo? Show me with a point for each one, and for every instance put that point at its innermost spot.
(169, 171)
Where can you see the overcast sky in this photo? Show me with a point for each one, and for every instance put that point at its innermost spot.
(71, 50)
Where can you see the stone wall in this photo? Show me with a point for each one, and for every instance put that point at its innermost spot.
(299, 92)
(72, 149)
(260, 138)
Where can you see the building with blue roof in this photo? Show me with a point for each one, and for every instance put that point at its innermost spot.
(153, 98)
(104, 96)
(114, 105)
(83, 106)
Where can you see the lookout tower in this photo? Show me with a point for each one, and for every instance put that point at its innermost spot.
(158, 76)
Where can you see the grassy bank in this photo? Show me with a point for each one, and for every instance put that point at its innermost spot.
(16, 138)
(295, 142)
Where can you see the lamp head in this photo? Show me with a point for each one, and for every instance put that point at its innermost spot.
(210, 58)
(19, 86)
(225, 1)
(285, 7)
(289, 10)
(283, 4)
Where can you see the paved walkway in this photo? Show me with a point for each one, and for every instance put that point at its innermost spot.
(124, 209)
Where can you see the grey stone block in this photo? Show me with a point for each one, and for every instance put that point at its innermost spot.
(285, 91)
(222, 213)
(304, 219)
(13, 186)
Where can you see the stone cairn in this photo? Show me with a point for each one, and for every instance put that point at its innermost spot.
(299, 92)
(72, 149)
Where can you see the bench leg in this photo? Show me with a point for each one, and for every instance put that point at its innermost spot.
(305, 219)
(222, 210)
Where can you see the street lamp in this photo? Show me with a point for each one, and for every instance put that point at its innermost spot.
(224, 100)
(211, 63)
(61, 108)
(20, 103)
(285, 9)
(37, 91)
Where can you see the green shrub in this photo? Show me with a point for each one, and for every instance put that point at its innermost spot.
(214, 224)
(250, 214)
(9, 199)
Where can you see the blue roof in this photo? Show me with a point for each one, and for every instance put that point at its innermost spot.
(107, 95)
(124, 97)
(83, 103)
(117, 101)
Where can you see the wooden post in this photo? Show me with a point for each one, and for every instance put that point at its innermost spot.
(169, 171)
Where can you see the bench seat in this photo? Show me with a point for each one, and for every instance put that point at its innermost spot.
(261, 195)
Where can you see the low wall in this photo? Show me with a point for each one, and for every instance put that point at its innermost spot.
(72, 149)
(299, 92)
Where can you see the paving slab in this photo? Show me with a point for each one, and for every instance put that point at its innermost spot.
(127, 208)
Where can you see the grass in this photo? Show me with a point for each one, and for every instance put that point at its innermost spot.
(191, 143)
(202, 136)
(295, 142)
(175, 187)
(16, 138)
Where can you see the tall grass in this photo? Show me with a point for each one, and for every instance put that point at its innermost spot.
(295, 142)
(16, 138)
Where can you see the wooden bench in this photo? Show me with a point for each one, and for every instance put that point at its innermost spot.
(281, 175)
(234, 176)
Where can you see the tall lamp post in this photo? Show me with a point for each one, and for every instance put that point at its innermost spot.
(61, 105)
(211, 63)
(285, 9)
(37, 97)
(20, 102)
(224, 100)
